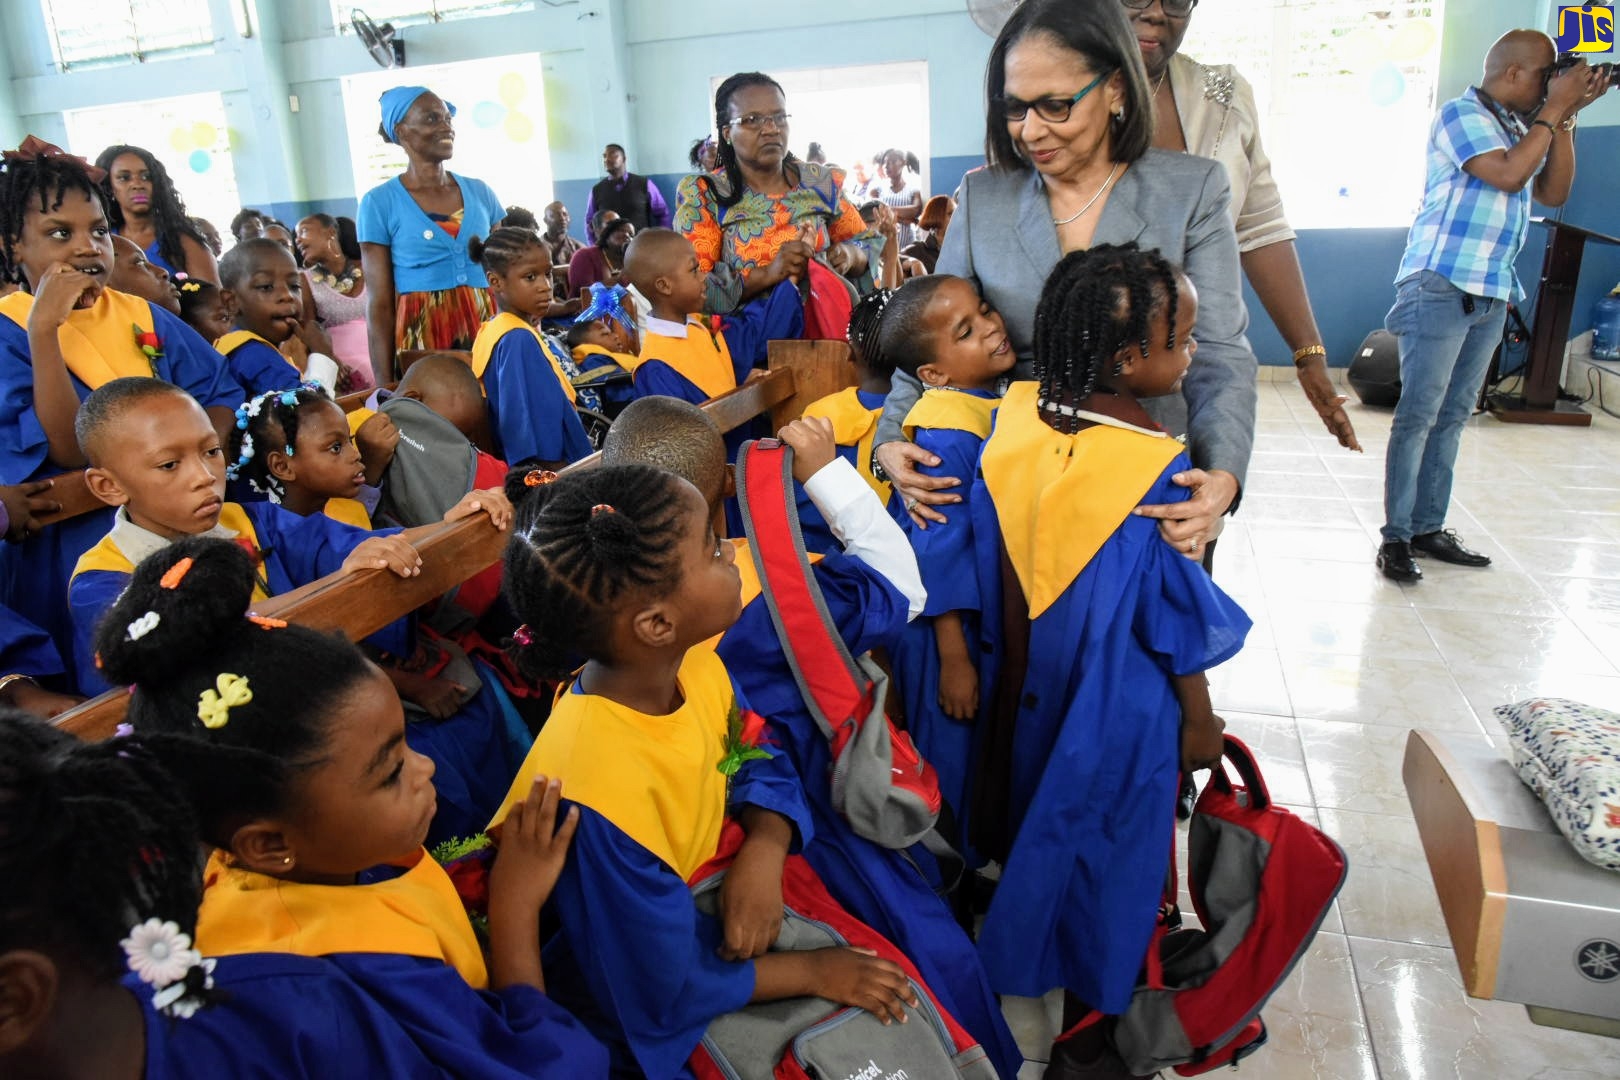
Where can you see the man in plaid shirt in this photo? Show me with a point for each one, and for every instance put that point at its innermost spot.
(1489, 151)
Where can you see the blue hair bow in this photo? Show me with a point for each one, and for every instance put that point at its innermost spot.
(397, 102)
(607, 302)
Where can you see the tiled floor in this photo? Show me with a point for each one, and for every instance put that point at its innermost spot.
(1342, 663)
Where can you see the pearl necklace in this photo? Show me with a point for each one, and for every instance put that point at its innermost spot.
(1093, 200)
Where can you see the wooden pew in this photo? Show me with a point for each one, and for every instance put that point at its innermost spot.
(361, 603)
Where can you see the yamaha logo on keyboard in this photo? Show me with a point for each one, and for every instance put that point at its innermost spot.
(1599, 960)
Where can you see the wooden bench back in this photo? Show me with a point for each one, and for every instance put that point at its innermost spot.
(362, 603)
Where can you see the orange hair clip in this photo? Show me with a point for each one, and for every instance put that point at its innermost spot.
(267, 622)
(538, 477)
(601, 508)
(173, 575)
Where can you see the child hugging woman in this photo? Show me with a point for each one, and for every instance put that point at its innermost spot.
(289, 746)
(1112, 702)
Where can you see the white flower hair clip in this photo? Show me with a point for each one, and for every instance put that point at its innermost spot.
(143, 626)
(161, 956)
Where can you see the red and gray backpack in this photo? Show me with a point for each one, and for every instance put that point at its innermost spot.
(880, 783)
(1261, 881)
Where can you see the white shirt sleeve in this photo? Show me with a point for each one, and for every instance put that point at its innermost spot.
(860, 523)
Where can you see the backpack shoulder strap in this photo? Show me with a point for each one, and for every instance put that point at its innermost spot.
(831, 683)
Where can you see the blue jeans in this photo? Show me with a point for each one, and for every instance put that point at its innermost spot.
(1445, 352)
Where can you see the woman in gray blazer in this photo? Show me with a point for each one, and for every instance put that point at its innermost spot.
(1069, 125)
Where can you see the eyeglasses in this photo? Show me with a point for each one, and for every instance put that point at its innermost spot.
(757, 121)
(1054, 110)
(1176, 9)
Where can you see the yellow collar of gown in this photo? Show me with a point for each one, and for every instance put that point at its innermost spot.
(1059, 497)
(655, 778)
(98, 343)
(415, 914)
(234, 340)
(952, 410)
(107, 555)
(853, 425)
(489, 336)
(702, 358)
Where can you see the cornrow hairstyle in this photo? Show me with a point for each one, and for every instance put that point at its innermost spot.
(505, 246)
(37, 186)
(907, 156)
(583, 544)
(94, 841)
(348, 236)
(180, 625)
(169, 218)
(263, 424)
(904, 340)
(1102, 35)
(1095, 304)
(110, 401)
(726, 154)
(865, 330)
(237, 265)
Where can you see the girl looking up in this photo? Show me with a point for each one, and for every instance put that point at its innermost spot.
(290, 748)
(525, 374)
(1113, 701)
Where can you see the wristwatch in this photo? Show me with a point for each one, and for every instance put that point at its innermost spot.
(879, 473)
(1568, 124)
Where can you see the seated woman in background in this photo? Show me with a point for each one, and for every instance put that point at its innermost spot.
(760, 217)
(143, 205)
(603, 262)
(331, 252)
(935, 216)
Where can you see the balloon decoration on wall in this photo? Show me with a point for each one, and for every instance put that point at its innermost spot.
(511, 89)
(196, 141)
(1383, 53)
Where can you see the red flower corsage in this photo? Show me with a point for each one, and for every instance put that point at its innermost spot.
(151, 346)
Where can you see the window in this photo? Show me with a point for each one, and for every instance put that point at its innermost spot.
(188, 134)
(1346, 91)
(415, 12)
(87, 33)
(500, 125)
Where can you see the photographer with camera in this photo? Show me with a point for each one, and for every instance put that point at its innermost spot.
(1489, 151)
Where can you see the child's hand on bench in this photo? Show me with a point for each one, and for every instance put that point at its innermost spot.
(385, 553)
(491, 501)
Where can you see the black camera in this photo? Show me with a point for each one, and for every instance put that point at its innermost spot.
(1568, 60)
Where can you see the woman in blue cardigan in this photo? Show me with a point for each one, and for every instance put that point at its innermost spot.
(425, 292)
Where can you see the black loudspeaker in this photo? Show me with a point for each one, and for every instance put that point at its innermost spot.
(1375, 373)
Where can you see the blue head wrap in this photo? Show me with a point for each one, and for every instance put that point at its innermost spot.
(607, 302)
(398, 101)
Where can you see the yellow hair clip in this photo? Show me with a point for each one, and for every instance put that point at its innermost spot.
(214, 709)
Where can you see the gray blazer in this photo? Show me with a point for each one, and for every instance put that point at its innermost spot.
(1002, 237)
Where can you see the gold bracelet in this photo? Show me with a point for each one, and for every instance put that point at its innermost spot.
(1307, 352)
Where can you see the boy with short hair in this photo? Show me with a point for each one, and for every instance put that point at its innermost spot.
(260, 281)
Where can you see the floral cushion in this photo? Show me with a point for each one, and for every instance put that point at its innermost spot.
(1569, 754)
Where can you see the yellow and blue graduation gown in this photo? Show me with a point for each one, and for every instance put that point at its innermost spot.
(891, 891)
(1115, 614)
(310, 1018)
(25, 649)
(397, 951)
(707, 362)
(256, 364)
(635, 959)
(531, 402)
(854, 415)
(98, 344)
(598, 368)
(952, 425)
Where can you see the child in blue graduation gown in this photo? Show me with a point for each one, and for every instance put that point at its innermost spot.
(854, 413)
(620, 566)
(939, 330)
(99, 335)
(604, 344)
(531, 400)
(872, 589)
(288, 748)
(29, 667)
(1113, 701)
(92, 924)
(262, 284)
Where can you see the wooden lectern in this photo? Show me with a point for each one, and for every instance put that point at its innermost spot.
(1555, 302)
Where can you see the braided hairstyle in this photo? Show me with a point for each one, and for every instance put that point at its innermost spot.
(505, 246)
(725, 153)
(169, 218)
(582, 544)
(865, 331)
(37, 186)
(264, 423)
(1094, 305)
(95, 839)
(180, 626)
(904, 340)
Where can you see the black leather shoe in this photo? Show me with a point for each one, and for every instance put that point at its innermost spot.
(1395, 560)
(1446, 546)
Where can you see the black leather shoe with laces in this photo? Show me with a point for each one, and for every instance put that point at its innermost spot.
(1446, 546)
(1395, 560)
